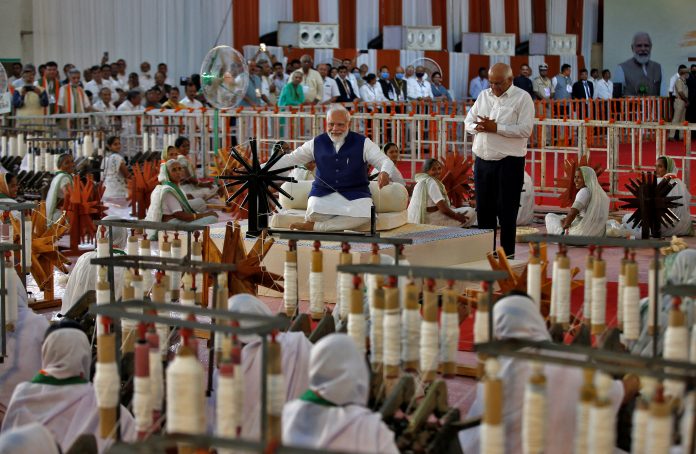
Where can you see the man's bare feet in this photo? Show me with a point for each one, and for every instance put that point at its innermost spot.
(309, 225)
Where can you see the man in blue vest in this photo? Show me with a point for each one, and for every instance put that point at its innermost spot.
(340, 198)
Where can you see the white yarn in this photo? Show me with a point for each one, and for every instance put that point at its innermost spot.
(163, 334)
(675, 348)
(599, 300)
(31, 161)
(142, 403)
(392, 334)
(11, 296)
(449, 336)
(356, 330)
(48, 162)
(290, 286)
(693, 345)
(652, 298)
(12, 147)
(185, 410)
(199, 276)
(237, 401)
(620, 298)
(107, 384)
(659, 434)
(587, 297)
(177, 253)
(153, 141)
(3, 145)
(146, 143)
(481, 326)
(410, 334)
(687, 422)
(103, 297)
(147, 274)
(132, 246)
(344, 290)
(227, 419)
(639, 430)
(563, 299)
(102, 248)
(156, 380)
(428, 346)
(376, 335)
(28, 229)
(492, 439)
(276, 394)
(601, 433)
(582, 427)
(554, 291)
(534, 282)
(316, 291)
(21, 145)
(533, 419)
(138, 290)
(631, 312)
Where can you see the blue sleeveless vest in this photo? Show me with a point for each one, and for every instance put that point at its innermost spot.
(344, 172)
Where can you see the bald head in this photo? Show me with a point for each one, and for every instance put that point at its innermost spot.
(500, 78)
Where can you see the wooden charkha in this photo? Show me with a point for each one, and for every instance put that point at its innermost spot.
(140, 187)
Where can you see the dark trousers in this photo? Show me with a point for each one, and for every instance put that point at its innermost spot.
(498, 190)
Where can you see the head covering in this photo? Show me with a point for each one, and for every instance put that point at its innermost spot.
(683, 270)
(120, 233)
(594, 219)
(164, 171)
(518, 317)
(248, 304)
(671, 165)
(66, 353)
(337, 371)
(33, 437)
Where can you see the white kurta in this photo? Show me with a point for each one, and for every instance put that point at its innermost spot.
(114, 181)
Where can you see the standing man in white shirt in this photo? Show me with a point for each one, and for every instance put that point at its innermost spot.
(479, 83)
(673, 80)
(418, 88)
(604, 88)
(100, 79)
(314, 91)
(501, 122)
(331, 92)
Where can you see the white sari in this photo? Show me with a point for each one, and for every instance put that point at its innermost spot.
(592, 217)
(55, 192)
(422, 199)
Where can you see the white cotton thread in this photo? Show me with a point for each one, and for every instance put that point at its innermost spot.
(587, 296)
(276, 394)
(652, 294)
(107, 385)
(376, 335)
(620, 298)
(147, 274)
(492, 439)
(659, 435)
(449, 336)
(481, 326)
(687, 422)
(225, 417)
(132, 246)
(102, 248)
(237, 401)
(199, 276)
(599, 300)
(156, 380)
(582, 427)
(410, 334)
(675, 348)
(534, 419)
(631, 313)
(184, 390)
(176, 253)
(356, 330)
(392, 338)
(534, 282)
(290, 287)
(345, 287)
(142, 403)
(429, 347)
(692, 349)
(316, 292)
(639, 430)
(11, 304)
(28, 229)
(563, 298)
(602, 432)
(554, 290)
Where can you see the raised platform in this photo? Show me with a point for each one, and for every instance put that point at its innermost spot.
(432, 246)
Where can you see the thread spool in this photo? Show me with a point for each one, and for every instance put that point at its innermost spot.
(50, 162)
(641, 413)
(290, 299)
(159, 296)
(620, 290)
(176, 253)
(631, 301)
(146, 143)
(534, 411)
(142, 397)
(12, 146)
(429, 334)
(107, 385)
(185, 384)
(197, 256)
(410, 329)
(226, 419)
(587, 296)
(481, 317)
(659, 437)
(377, 305)
(676, 346)
(87, 146)
(316, 283)
(534, 278)
(344, 283)
(599, 294)
(220, 303)
(103, 291)
(356, 316)
(492, 428)
(653, 294)
(21, 145)
(3, 146)
(28, 235)
(588, 394)
(31, 158)
(449, 331)
(687, 422)
(392, 329)
(554, 292)
(156, 373)
(276, 391)
(132, 244)
(11, 305)
(147, 274)
(128, 325)
(602, 433)
(563, 289)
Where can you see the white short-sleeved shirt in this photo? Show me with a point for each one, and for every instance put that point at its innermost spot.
(330, 89)
(582, 200)
(170, 204)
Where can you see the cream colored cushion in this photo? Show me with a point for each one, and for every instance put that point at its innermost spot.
(385, 221)
(390, 198)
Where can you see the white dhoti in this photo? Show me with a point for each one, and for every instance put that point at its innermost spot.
(440, 218)
(333, 212)
(199, 192)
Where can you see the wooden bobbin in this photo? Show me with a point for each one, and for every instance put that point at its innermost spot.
(653, 295)
(197, 251)
(599, 271)
(128, 334)
(621, 284)
(317, 267)
(588, 393)
(378, 303)
(482, 306)
(291, 257)
(411, 303)
(108, 417)
(159, 291)
(587, 296)
(356, 307)
(176, 244)
(430, 312)
(391, 304)
(564, 264)
(274, 432)
(450, 302)
(344, 258)
(493, 398)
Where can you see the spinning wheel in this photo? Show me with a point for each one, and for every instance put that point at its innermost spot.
(254, 179)
(82, 205)
(141, 186)
(223, 165)
(457, 176)
(568, 185)
(652, 204)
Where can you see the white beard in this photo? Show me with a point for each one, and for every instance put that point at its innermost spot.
(338, 138)
(642, 59)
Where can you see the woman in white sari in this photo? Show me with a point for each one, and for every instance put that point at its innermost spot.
(517, 317)
(56, 192)
(525, 215)
(115, 171)
(8, 190)
(60, 396)
(190, 185)
(429, 203)
(590, 211)
(169, 203)
(331, 414)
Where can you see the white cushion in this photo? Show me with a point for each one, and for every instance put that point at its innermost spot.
(385, 221)
(391, 198)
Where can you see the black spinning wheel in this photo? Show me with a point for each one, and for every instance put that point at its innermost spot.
(255, 179)
(652, 204)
